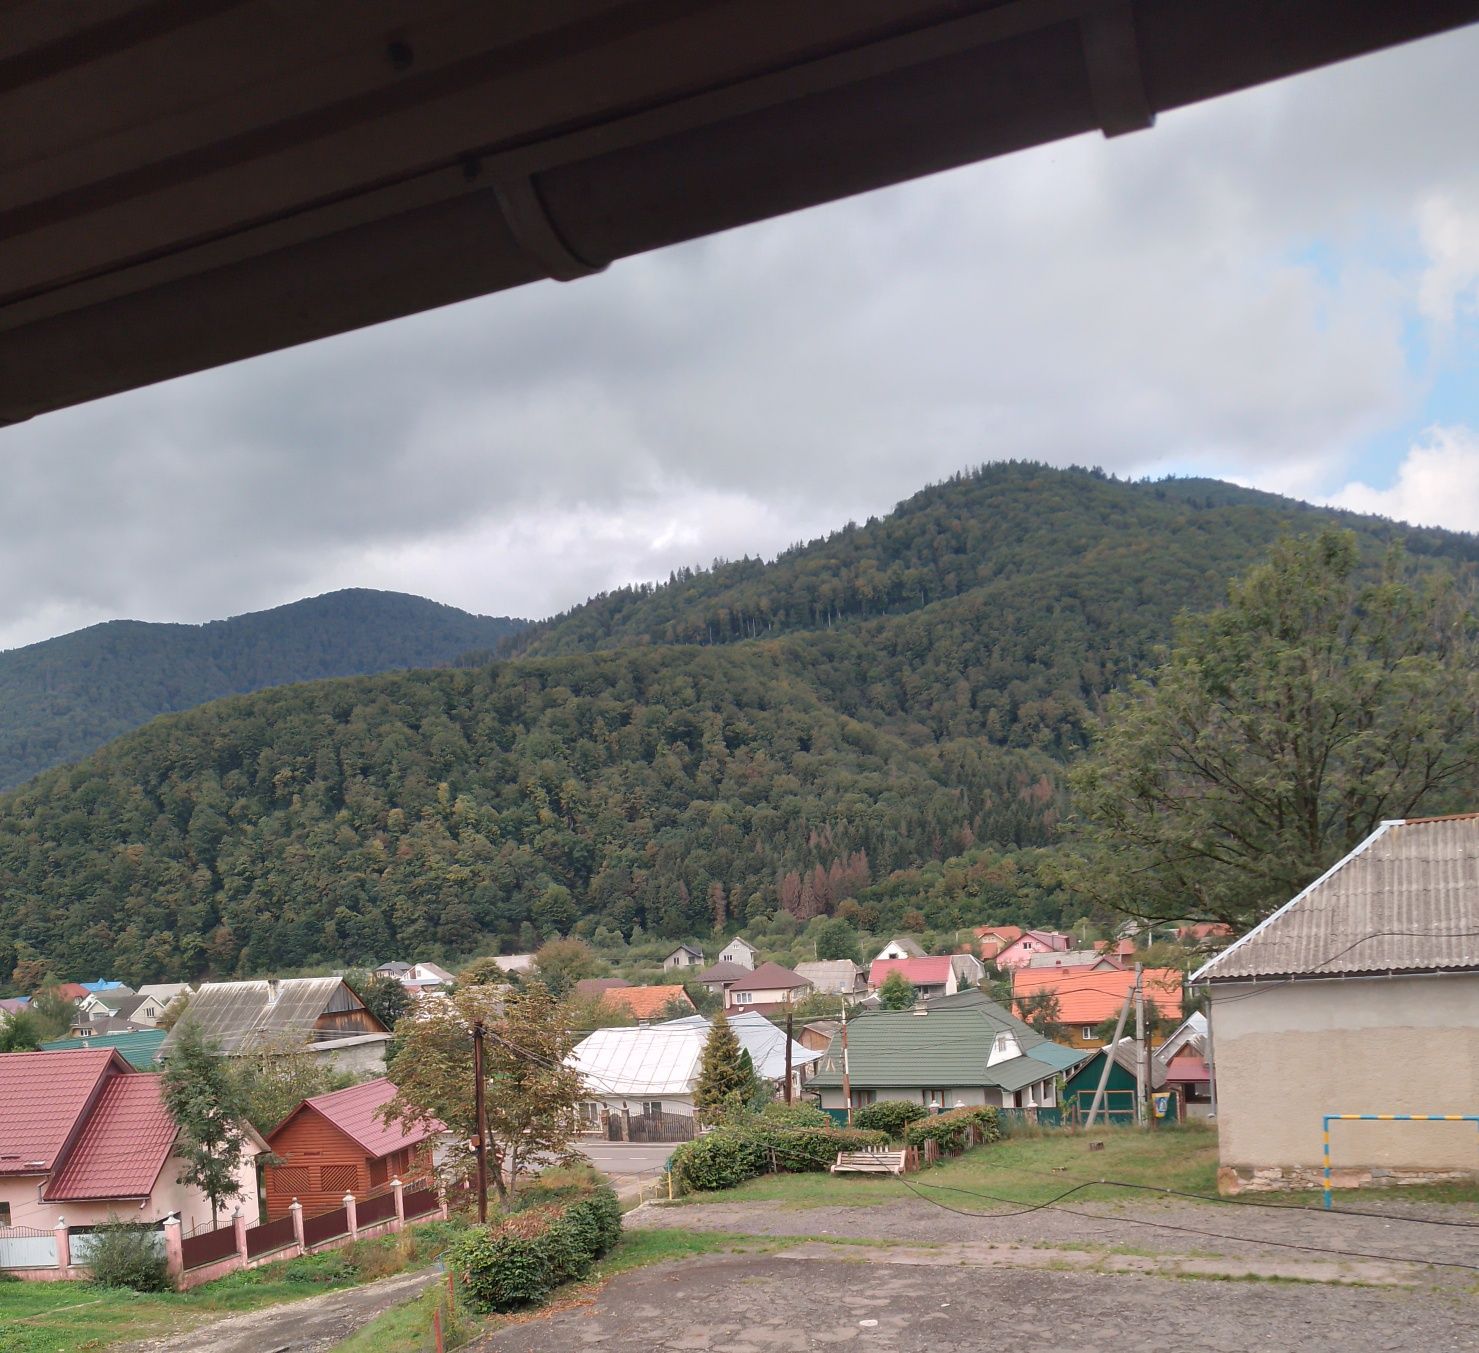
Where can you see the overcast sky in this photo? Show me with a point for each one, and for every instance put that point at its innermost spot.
(1280, 288)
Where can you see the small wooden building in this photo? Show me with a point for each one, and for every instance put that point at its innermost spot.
(336, 1144)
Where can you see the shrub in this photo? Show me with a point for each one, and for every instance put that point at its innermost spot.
(889, 1115)
(520, 1261)
(951, 1132)
(730, 1155)
(126, 1254)
(795, 1116)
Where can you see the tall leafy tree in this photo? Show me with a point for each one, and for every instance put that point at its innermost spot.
(726, 1076)
(1040, 1010)
(835, 938)
(20, 1032)
(205, 1098)
(896, 992)
(1282, 729)
(530, 1092)
(384, 996)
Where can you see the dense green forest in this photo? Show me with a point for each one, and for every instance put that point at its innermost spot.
(906, 757)
(63, 698)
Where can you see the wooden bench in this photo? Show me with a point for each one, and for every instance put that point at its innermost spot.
(870, 1162)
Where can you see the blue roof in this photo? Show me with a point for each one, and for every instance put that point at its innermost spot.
(101, 985)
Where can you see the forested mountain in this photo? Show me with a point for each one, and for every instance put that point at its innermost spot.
(67, 696)
(917, 723)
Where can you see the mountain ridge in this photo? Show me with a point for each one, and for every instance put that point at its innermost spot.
(66, 696)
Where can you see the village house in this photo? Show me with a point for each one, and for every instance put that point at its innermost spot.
(1074, 958)
(319, 1015)
(684, 956)
(901, 946)
(992, 939)
(1184, 1058)
(1120, 1087)
(646, 1003)
(593, 988)
(84, 1136)
(834, 976)
(649, 1072)
(718, 977)
(931, 976)
(740, 952)
(1358, 996)
(140, 1047)
(1087, 997)
(962, 1050)
(1019, 951)
(419, 979)
(336, 1143)
(768, 988)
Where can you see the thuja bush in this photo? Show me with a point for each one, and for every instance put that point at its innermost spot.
(889, 1115)
(952, 1132)
(730, 1155)
(522, 1259)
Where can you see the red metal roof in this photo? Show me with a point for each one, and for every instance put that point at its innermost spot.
(932, 971)
(42, 1097)
(354, 1113)
(124, 1143)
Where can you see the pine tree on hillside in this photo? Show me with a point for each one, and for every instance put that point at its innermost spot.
(726, 1077)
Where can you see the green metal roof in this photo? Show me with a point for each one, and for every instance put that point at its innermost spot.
(944, 1044)
(138, 1048)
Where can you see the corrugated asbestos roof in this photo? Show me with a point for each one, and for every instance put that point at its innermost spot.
(1405, 900)
(123, 1146)
(946, 1047)
(243, 1016)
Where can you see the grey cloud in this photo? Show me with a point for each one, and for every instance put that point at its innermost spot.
(1140, 303)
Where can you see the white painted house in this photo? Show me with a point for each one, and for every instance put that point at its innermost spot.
(740, 952)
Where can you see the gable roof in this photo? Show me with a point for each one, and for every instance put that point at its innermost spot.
(765, 1043)
(1071, 958)
(123, 1144)
(70, 991)
(830, 974)
(1005, 933)
(594, 986)
(241, 1016)
(43, 1096)
(163, 992)
(1091, 995)
(740, 939)
(723, 971)
(354, 1112)
(769, 977)
(944, 1045)
(684, 949)
(654, 1060)
(1404, 900)
(1051, 939)
(106, 984)
(930, 971)
(644, 1002)
(139, 1047)
(908, 944)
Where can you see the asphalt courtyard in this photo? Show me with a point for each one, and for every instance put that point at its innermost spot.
(910, 1276)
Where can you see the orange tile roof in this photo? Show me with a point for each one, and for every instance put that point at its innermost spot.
(644, 1002)
(1089, 995)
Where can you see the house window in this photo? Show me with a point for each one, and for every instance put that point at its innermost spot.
(651, 1108)
(4, 1214)
(934, 1099)
(742, 997)
(1086, 1032)
(862, 1098)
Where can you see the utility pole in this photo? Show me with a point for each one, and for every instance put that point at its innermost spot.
(1109, 1052)
(789, 1018)
(1141, 1078)
(481, 1110)
(846, 1075)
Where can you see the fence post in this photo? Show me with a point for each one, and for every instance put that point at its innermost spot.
(238, 1224)
(399, 1189)
(174, 1252)
(352, 1214)
(63, 1246)
(295, 1210)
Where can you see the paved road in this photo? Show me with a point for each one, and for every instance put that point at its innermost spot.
(629, 1165)
(789, 1303)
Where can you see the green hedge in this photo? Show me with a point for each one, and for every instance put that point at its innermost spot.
(888, 1115)
(520, 1261)
(951, 1131)
(730, 1155)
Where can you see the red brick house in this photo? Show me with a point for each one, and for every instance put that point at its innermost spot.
(335, 1144)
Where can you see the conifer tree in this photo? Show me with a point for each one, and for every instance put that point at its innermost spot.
(726, 1077)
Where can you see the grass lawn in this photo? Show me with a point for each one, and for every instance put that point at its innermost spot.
(1027, 1168)
(67, 1316)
